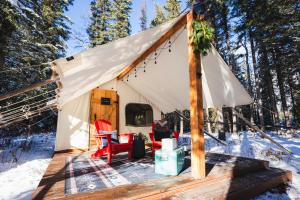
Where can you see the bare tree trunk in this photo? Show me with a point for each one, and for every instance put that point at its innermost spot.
(257, 81)
(181, 124)
(281, 88)
(295, 108)
(268, 98)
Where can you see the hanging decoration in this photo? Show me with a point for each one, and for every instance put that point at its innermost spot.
(201, 37)
(155, 55)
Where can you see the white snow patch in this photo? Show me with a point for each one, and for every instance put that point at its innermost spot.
(20, 178)
(249, 144)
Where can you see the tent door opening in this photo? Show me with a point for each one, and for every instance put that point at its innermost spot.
(104, 105)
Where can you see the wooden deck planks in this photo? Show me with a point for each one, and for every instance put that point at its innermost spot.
(227, 177)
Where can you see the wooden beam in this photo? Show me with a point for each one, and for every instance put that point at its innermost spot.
(26, 89)
(196, 107)
(179, 24)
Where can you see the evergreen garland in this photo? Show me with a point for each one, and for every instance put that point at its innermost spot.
(202, 36)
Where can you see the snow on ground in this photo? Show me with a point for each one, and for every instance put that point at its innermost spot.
(23, 164)
(249, 144)
(20, 177)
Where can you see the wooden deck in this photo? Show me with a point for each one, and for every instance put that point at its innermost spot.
(227, 177)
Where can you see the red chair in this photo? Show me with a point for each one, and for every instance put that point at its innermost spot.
(156, 145)
(103, 128)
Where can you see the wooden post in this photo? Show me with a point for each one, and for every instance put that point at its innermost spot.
(234, 122)
(196, 107)
(181, 124)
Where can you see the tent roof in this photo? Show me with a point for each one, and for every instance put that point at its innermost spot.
(166, 83)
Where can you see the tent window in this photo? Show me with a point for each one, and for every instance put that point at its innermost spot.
(138, 114)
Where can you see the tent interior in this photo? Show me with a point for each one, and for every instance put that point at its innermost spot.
(92, 87)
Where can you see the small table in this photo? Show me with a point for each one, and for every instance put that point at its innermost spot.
(169, 163)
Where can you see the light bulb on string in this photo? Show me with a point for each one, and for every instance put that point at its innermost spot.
(155, 55)
(170, 46)
(135, 72)
(127, 77)
(144, 66)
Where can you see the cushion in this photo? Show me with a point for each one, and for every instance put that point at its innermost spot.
(161, 130)
(158, 135)
(114, 137)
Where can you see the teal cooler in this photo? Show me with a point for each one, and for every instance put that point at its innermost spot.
(169, 163)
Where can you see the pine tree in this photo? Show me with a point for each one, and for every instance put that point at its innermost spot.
(159, 18)
(173, 8)
(98, 30)
(143, 18)
(39, 37)
(120, 14)
(8, 25)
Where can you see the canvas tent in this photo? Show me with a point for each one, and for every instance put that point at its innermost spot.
(161, 79)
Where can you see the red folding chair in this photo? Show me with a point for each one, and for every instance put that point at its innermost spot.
(156, 145)
(104, 133)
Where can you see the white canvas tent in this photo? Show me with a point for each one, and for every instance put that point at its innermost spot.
(164, 84)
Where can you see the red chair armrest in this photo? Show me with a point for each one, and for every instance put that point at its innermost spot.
(176, 135)
(129, 136)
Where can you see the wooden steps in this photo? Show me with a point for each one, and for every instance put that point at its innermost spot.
(228, 177)
(243, 187)
(236, 166)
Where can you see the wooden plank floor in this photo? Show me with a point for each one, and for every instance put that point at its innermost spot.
(228, 177)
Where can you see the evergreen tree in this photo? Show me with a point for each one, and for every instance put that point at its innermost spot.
(159, 16)
(143, 18)
(98, 30)
(8, 24)
(120, 14)
(39, 37)
(173, 8)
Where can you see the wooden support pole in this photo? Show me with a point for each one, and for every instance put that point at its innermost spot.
(196, 107)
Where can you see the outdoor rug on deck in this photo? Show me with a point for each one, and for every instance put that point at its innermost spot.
(84, 174)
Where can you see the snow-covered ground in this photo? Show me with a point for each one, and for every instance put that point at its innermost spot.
(23, 165)
(249, 144)
(18, 178)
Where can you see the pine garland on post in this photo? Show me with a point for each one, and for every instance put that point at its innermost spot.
(202, 36)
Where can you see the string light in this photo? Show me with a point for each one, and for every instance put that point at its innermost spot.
(156, 54)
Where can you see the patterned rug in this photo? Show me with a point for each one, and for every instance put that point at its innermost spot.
(84, 174)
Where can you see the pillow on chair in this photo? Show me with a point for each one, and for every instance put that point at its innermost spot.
(114, 138)
(161, 130)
